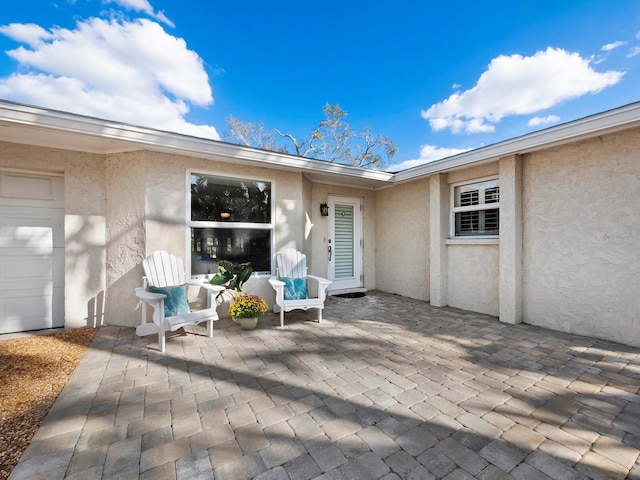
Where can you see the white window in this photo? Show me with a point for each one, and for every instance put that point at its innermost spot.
(476, 209)
(230, 219)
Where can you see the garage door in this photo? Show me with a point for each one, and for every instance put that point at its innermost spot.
(31, 252)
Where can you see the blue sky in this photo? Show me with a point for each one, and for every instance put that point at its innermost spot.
(435, 77)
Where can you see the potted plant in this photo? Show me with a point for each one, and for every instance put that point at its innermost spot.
(246, 309)
(233, 276)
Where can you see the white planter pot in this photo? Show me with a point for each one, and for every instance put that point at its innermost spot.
(247, 323)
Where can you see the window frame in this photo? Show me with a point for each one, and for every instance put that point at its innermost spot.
(471, 208)
(229, 225)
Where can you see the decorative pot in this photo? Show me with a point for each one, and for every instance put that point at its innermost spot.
(248, 323)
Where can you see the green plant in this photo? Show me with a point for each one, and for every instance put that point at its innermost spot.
(233, 276)
(247, 306)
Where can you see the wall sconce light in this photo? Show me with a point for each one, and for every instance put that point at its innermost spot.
(324, 209)
(225, 214)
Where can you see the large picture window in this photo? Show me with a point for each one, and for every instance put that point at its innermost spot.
(476, 209)
(230, 219)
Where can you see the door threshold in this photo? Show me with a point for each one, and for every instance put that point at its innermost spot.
(347, 290)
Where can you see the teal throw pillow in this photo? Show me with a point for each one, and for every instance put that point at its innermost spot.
(295, 288)
(176, 302)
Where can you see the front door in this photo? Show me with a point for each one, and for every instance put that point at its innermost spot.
(345, 243)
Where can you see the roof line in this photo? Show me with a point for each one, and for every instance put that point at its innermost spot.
(160, 140)
(626, 116)
(593, 125)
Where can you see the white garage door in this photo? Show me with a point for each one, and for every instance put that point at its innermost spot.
(31, 252)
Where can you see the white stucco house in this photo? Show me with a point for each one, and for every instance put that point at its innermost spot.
(542, 229)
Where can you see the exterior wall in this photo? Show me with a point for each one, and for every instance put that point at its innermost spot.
(472, 173)
(166, 200)
(510, 261)
(320, 225)
(163, 185)
(84, 185)
(165, 190)
(402, 239)
(125, 231)
(85, 250)
(581, 242)
(472, 277)
(122, 207)
(469, 267)
(439, 219)
(576, 255)
(307, 213)
(318, 232)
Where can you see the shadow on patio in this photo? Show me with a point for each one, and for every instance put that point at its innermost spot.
(385, 387)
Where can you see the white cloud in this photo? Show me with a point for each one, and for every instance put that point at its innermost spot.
(142, 6)
(516, 85)
(130, 71)
(428, 153)
(611, 46)
(29, 33)
(536, 121)
(633, 52)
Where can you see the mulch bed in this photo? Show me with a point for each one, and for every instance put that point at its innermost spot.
(33, 371)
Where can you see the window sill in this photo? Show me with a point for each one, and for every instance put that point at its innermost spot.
(472, 241)
(262, 274)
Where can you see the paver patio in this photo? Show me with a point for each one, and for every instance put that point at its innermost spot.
(386, 387)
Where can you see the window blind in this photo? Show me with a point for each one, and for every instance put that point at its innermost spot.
(343, 238)
(476, 209)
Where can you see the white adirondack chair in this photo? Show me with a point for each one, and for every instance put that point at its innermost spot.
(292, 264)
(163, 270)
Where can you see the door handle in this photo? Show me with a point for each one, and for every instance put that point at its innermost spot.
(330, 252)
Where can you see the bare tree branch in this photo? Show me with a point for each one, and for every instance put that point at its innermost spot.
(332, 140)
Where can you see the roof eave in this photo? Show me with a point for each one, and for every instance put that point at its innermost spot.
(624, 117)
(123, 137)
(105, 137)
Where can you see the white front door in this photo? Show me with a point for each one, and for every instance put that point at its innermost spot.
(31, 253)
(345, 243)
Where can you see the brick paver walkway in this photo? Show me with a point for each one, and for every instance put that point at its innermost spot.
(385, 387)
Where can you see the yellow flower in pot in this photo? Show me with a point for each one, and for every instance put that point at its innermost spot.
(246, 309)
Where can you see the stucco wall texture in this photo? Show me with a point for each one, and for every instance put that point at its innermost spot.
(581, 238)
(472, 278)
(125, 235)
(402, 239)
(473, 268)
